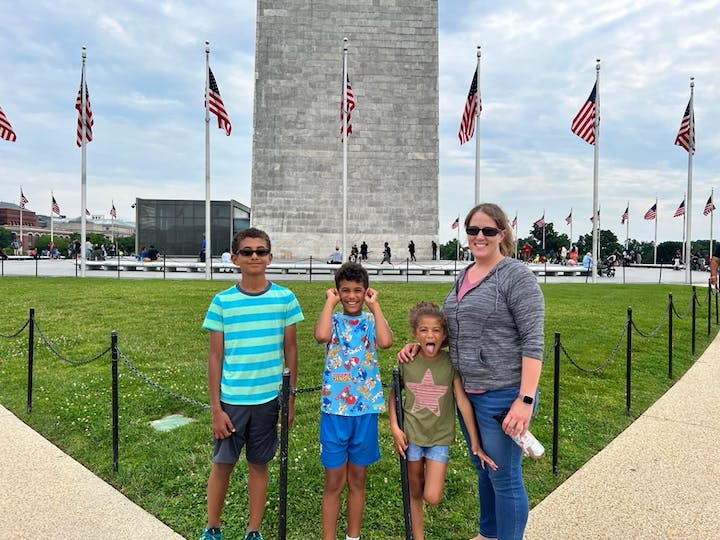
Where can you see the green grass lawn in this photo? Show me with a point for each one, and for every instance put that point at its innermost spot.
(158, 326)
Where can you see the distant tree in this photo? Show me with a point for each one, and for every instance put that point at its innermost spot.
(608, 243)
(126, 244)
(5, 238)
(448, 251)
(43, 243)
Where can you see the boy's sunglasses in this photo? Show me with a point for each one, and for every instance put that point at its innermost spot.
(487, 231)
(247, 252)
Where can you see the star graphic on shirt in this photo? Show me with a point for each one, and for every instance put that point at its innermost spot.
(427, 394)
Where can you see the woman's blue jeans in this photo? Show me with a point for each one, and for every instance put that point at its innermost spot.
(503, 499)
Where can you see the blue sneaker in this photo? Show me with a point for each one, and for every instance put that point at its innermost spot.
(253, 535)
(211, 533)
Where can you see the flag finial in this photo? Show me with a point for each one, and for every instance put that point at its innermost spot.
(478, 51)
(84, 52)
(207, 46)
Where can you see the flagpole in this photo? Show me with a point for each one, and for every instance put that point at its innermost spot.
(83, 165)
(477, 132)
(655, 241)
(544, 232)
(688, 200)
(516, 235)
(596, 129)
(712, 204)
(345, 146)
(208, 245)
(22, 244)
(571, 224)
(627, 228)
(113, 224)
(52, 226)
(457, 246)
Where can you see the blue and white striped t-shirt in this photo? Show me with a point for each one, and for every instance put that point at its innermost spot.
(253, 327)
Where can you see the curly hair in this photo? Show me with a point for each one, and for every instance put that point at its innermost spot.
(352, 272)
(426, 309)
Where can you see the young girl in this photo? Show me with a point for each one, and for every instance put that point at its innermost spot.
(433, 388)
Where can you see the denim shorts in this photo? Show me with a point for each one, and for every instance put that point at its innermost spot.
(438, 452)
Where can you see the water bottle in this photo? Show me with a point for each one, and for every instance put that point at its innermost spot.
(530, 445)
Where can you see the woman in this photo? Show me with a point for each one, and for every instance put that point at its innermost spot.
(495, 314)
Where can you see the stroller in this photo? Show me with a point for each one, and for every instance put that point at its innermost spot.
(607, 267)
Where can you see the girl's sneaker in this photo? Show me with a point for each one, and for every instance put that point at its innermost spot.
(253, 535)
(211, 533)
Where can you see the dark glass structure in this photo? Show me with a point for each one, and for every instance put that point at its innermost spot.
(176, 227)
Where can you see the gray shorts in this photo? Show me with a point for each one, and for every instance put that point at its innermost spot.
(255, 429)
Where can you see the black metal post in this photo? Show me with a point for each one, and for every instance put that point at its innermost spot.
(403, 462)
(164, 268)
(407, 270)
(115, 422)
(310, 270)
(37, 258)
(117, 252)
(717, 311)
(628, 362)
(670, 335)
(284, 427)
(709, 315)
(2, 266)
(556, 404)
(31, 356)
(694, 310)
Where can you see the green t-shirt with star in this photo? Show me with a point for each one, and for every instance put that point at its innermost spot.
(429, 403)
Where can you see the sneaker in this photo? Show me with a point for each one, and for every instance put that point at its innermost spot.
(253, 535)
(211, 533)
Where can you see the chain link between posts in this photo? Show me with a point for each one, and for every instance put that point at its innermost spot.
(605, 363)
(150, 382)
(64, 358)
(16, 333)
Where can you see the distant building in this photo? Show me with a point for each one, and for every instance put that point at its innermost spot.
(176, 227)
(35, 225)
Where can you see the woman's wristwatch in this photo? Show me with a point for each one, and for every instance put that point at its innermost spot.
(527, 399)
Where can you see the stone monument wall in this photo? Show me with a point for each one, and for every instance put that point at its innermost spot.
(392, 160)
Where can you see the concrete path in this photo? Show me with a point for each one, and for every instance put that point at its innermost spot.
(659, 479)
(44, 493)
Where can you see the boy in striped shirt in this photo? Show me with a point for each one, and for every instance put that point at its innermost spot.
(252, 331)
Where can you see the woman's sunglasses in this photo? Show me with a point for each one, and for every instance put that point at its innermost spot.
(487, 231)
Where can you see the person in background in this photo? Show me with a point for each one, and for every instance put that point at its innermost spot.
(495, 313)
(387, 254)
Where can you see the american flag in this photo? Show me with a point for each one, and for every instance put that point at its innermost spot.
(23, 199)
(472, 106)
(514, 222)
(625, 216)
(680, 210)
(113, 212)
(652, 213)
(568, 220)
(684, 137)
(88, 114)
(55, 206)
(216, 106)
(540, 222)
(709, 206)
(6, 130)
(456, 223)
(583, 125)
(349, 108)
(87, 212)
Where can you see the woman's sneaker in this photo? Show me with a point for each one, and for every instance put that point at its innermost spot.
(253, 535)
(211, 533)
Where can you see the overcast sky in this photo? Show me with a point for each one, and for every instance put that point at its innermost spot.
(145, 73)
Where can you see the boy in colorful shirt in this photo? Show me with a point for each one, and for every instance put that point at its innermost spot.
(252, 331)
(352, 396)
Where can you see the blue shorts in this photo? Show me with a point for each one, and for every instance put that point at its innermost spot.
(348, 438)
(438, 452)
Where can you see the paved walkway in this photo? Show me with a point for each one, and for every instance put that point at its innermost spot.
(659, 479)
